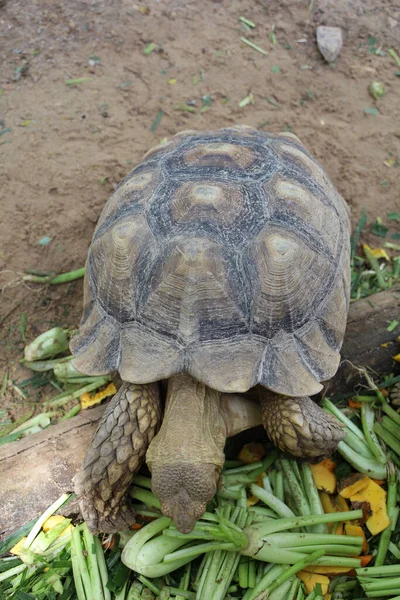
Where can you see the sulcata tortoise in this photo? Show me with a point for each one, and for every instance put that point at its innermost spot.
(221, 263)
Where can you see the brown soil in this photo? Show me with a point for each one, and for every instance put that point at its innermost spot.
(69, 145)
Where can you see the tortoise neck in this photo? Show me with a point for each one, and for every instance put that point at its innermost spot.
(192, 430)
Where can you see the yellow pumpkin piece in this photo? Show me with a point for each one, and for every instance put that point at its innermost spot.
(326, 502)
(87, 400)
(341, 504)
(377, 252)
(310, 580)
(18, 547)
(359, 531)
(321, 570)
(337, 529)
(329, 464)
(52, 522)
(324, 478)
(328, 506)
(376, 497)
(251, 453)
(353, 484)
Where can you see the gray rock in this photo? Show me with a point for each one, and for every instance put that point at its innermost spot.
(329, 41)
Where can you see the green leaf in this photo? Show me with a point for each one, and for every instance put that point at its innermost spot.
(379, 230)
(371, 111)
(392, 325)
(149, 48)
(77, 81)
(157, 121)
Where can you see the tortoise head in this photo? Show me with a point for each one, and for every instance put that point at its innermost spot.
(184, 489)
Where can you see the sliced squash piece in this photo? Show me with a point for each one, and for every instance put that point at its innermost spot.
(351, 529)
(251, 453)
(16, 550)
(328, 463)
(353, 484)
(321, 570)
(324, 478)
(326, 502)
(341, 504)
(52, 522)
(373, 494)
(310, 580)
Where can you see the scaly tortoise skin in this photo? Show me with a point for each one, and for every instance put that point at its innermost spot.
(220, 262)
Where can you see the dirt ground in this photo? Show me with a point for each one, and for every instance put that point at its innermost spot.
(63, 147)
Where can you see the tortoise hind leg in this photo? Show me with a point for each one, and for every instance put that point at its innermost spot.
(299, 426)
(117, 451)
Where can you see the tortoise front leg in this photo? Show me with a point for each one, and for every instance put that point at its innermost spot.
(299, 426)
(117, 451)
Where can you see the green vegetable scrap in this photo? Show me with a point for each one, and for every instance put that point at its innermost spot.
(377, 90)
(254, 46)
(149, 48)
(77, 81)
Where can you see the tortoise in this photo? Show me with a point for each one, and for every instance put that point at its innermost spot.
(220, 264)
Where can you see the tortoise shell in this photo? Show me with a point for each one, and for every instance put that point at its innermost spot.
(225, 255)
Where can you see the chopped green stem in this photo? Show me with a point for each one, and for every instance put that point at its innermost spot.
(373, 468)
(71, 413)
(390, 412)
(293, 522)
(178, 592)
(279, 493)
(43, 518)
(379, 571)
(312, 495)
(298, 497)
(81, 571)
(145, 496)
(330, 407)
(367, 419)
(393, 513)
(56, 279)
(268, 578)
(45, 365)
(142, 481)
(101, 563)
(388, 438)
(149, 584)
(194, 551)
(11, 572)
(294, 540)
(270, 500)
(65, 398)
(391, 426)
(91, 560)
(295, 569)
(382, 584)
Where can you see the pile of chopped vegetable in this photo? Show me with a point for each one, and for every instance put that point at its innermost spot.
(277, 529)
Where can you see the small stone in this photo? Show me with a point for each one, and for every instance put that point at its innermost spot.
(330, 42)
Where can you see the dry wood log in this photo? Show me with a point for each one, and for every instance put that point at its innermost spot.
(38, 469)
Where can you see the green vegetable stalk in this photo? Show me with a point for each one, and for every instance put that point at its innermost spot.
(48, 344)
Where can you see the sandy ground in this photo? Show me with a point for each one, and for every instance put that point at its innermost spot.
(63, 148)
